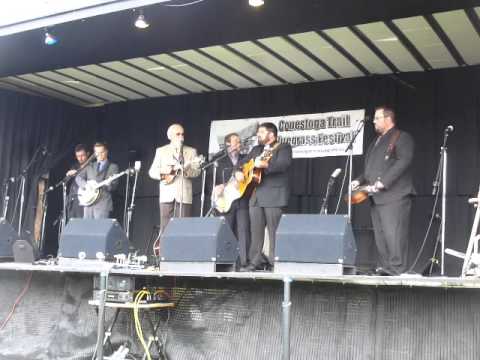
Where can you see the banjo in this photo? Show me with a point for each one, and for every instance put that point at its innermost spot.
(90, 194)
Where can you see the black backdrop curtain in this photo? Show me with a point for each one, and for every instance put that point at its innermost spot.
(425, 104)
(47, 128)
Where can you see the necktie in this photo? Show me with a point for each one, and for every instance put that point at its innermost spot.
(99, 167)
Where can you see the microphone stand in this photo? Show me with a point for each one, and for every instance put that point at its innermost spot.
(349, 161)
(218, 156)
(125, 206)
(44, 217)
(442, 171)
(181, 160)
(132, 204)
(23, 179)
(324, 207)
(202, 194)
(6, 199)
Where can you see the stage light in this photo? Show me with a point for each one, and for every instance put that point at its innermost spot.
(256, 3)
(50, 39)
(141, 22)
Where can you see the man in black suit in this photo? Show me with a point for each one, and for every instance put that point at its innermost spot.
(269, 197)
(98, 171)
(237, 217)
(74, 209)
(388, 171)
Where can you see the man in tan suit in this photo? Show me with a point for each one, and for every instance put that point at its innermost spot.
(169, 163)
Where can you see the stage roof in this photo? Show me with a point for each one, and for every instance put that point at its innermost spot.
(214, 46)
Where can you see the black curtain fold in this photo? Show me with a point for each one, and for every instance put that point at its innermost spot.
(44, 129)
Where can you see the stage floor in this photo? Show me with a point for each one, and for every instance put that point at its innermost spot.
(95, 267)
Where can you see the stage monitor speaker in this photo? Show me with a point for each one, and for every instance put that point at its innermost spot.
(87, 238)
(315, 244)
(24, 252)
(197, 244)
(7, 237)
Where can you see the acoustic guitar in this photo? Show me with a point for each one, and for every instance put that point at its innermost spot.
(167, 179)
(235, 189)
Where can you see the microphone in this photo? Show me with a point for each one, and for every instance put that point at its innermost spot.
(180, 154)
(331, 181)
(335, 173)
(449, 129)
(137, 166)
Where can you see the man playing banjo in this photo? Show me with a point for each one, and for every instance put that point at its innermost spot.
(98, 201)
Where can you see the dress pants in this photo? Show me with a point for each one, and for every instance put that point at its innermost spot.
(172, 209)
(391, 225)
(238, 220)
(95, 212)
(259, 217)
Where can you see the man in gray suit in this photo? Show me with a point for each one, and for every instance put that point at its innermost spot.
(389, 174)
(98, 171)
(269, 197)
(175, 165)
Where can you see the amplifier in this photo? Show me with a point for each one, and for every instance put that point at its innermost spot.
(115, 296)
(117, 283)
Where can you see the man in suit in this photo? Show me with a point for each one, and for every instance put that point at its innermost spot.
(175, 165)
(237, 217)
(98, 171)
(74, 209)
(269, 197)
(388, 172)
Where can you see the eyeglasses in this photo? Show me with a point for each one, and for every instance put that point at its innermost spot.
(179, 134)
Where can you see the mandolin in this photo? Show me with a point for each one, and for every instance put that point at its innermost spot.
(360, 194)
(167, 179)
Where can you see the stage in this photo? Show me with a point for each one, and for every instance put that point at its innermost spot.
(94, 267)
(233, 315)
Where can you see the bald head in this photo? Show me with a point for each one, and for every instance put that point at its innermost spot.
(175, 134)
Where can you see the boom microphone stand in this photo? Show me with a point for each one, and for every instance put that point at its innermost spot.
(63, 183)
(349, 161)
(218, 156)
(6, 198)
(136, 169)
(441, 178)
(23, 179)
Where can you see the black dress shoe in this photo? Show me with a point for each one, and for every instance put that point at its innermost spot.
(383, 272)
(248, 268)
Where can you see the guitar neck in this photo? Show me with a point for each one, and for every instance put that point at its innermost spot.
(111, 178)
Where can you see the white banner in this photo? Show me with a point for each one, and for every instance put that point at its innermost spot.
(310, 135)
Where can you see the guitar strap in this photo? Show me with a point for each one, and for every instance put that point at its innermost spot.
(391, 145)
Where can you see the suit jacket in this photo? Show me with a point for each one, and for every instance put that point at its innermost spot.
(274, 190)
(90, 173)
(74, 210)
(224, 173)
(168, 155)
(393, 171)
